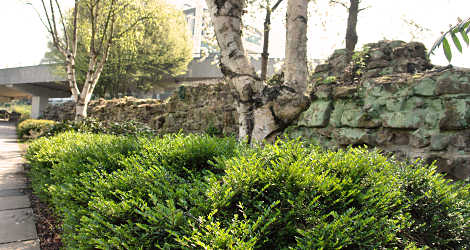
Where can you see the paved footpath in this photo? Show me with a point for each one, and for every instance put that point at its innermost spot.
(17, 228)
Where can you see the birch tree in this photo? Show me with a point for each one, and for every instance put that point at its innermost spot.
(264, 111)
(101, 17)
(156, 48)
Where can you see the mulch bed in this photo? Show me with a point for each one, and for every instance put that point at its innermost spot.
(47, 225)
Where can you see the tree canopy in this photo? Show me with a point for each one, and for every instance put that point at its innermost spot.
(141, 54)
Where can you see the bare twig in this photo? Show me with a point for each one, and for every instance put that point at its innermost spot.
(340, 3)
(62, 20)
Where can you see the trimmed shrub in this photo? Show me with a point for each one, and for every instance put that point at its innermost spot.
(32, 128)
(91, 125)
(201, 192)
(62, 159)
(290, 195)
(123, 199)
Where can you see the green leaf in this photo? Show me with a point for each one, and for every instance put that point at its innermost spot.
(456, 41)
(465, 37)
(447, 51)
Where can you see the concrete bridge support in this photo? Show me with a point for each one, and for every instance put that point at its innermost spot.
(39, 82)
(38, 104)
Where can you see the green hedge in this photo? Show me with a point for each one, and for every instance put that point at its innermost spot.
(92, 125)
(32, 128)
(197, 191)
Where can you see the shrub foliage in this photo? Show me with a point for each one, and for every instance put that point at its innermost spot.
(92, 125)
(32, 128)
(201, 192)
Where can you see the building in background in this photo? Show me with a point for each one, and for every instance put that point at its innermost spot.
(194, 19)
(204, 68)
(197, 18)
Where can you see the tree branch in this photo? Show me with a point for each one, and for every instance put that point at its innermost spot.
(49, 29)
(341, 3)
(62, 20)
(40, 18)
(141, 19)
(74, 35)
(53, 21)
(93, 20)
(105, 27)
(276, 5)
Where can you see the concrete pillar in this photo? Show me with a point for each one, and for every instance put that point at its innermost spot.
(197, 38)
(39, 103)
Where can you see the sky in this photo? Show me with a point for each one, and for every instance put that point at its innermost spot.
(24, 39)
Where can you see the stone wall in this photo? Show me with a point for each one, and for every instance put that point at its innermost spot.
(412, 112)
(191, 109)
(390, 97)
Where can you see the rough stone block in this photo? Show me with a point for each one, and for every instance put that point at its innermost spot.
(344, 91)
(439, 142)
(460, 167)
(394, 104)
(357, 118)
(459, 142)
(451, 82)
(425, 87)
(323, 91)
(371, 73)
(406, 120)
(420, 138)
(353, 136)
(317, 115)
(393, 137)
(374, 64)
(376, 54)
(339, 107)
(439, 160)
(456, 114)
(322, 68)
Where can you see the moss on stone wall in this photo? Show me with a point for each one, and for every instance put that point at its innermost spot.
(414, 112)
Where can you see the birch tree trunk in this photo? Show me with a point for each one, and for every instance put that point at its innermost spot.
(264, 111)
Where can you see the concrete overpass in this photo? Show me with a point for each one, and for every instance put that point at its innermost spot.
(39, 82)
(42, 82)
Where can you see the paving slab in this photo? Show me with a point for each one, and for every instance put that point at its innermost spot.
(21, 245)
(17, 225)
(13, 180)
(14, 192)
(14, 202)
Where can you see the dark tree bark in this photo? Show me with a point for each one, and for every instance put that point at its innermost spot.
(267, 30)
(351, 34)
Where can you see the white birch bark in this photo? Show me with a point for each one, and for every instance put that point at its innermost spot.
(264, 111)
(227, 20)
